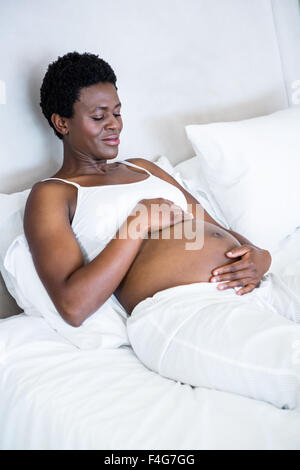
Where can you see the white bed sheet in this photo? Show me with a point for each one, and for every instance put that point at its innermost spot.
(54, 396)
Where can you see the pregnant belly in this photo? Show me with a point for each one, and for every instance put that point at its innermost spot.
(186, 253)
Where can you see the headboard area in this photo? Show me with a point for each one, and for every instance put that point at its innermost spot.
(176, 62)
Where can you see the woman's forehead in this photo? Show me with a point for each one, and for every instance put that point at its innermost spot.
(98, 95)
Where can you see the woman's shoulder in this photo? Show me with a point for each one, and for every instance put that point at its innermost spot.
(143, 163)
(46, 194)
(47, 184)
(137, 160)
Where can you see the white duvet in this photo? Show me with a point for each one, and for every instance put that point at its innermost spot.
(55, 396)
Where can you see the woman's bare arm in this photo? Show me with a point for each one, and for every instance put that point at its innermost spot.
(77, 290)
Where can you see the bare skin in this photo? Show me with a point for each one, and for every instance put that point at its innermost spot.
(163, 263)
(131, 268)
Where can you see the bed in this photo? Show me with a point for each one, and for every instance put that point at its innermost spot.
(56, 396)
(232, 60)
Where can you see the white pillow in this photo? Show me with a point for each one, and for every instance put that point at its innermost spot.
(252, 168)
(195, 182)
(105, 328)
(11, 225)
(11, 221)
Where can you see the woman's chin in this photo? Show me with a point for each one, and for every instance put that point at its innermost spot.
(107, 154)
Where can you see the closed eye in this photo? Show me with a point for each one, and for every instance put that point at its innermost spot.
(100, 118)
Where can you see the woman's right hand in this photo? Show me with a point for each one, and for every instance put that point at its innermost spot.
(158, 213)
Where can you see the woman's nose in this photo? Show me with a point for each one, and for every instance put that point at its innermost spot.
(113, 123)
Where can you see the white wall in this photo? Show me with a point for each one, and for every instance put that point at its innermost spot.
(177, 62)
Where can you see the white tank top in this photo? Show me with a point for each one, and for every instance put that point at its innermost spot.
(101, 210)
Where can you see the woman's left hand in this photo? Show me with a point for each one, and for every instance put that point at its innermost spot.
(246, 272)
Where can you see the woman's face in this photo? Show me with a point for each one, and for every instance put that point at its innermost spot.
(96, 117)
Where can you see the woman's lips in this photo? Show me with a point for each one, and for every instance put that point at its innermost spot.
(112, 141)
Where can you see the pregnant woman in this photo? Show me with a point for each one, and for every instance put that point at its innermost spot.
(79, 225)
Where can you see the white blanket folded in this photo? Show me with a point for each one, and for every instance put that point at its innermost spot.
(248, 345)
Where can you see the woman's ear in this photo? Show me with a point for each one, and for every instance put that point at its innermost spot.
(60, 124)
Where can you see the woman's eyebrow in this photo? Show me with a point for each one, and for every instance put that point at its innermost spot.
(106, 107)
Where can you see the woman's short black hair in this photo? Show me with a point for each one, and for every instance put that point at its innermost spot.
(64, 79)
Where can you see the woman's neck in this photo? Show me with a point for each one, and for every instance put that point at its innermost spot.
(76, 164)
